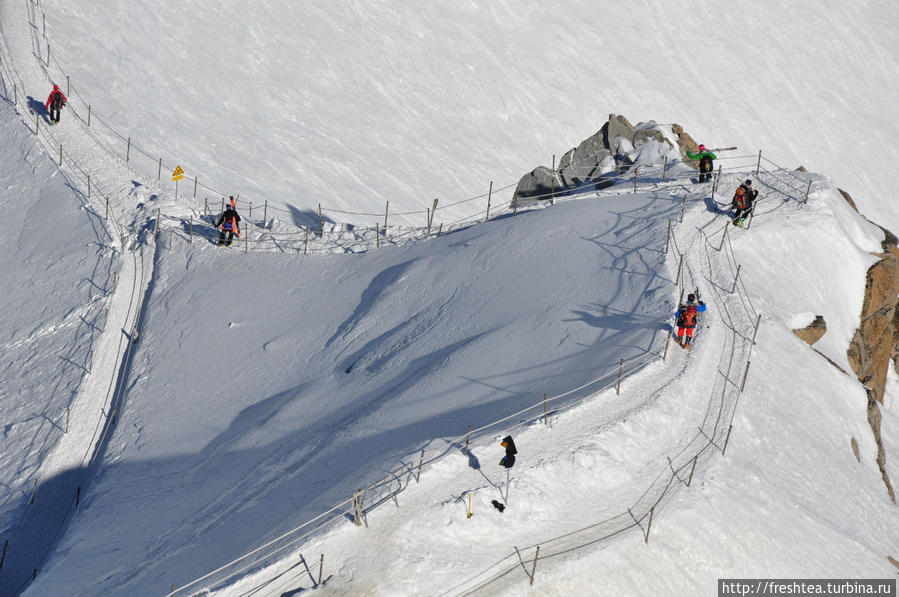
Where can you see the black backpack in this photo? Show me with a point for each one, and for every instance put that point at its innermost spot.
(705, 163)
(57, 102)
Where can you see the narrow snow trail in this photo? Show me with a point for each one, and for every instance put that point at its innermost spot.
(65, 472)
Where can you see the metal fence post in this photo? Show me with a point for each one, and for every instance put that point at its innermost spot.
(727, 439)
(807, 189)
(664, 168)
(756, 330)
(195, 188)
(618, 387)
(648, 525)
(683, 208)
(489, 197)
(534, 567)
(679, 267)
(723, 236)
(88, 115)
(128, 151)
(668, 237)
(357, 507)
(758, 164)
(734, 287)
(637, 169)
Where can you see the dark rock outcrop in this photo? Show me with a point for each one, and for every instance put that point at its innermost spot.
(592, 164)
(812, 332)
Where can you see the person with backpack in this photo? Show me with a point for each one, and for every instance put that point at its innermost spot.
(687, 317)
(744, 197)
(55, 103)
(229, 223)
(706, 165)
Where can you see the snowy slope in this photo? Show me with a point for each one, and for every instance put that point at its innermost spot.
(267, 387)
(351, 105)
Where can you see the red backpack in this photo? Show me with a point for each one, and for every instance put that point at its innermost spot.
(688, 316)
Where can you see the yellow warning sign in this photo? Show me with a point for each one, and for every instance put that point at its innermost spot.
(178, 174)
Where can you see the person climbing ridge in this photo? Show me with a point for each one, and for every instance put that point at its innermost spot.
(744, 197)
(55, 103)
(229, 223)
(706, 165)
(687, 317)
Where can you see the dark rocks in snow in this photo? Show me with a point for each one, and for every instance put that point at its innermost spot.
(592, 165)
(812, 332)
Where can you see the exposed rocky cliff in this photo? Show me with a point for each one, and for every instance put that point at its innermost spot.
(874, 346)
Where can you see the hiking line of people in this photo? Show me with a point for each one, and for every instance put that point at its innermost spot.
(744, 197)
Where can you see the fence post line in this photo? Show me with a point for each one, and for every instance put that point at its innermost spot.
(176, 189)
(636, 170)
(246, 242)
(534, 567)
(306, 242)
(156, 226)
(88, 115)
(48, 55)
(648, 525)
(60, 154)
(467, 438)
(205, 205)
(664, 168)
(321, 223)
(223, 204)
(727, 439)
(545, 412)
(667, 342)
(249, 214)
(265, 213)
(683, 208)
(377, 236)
(159, 171)
(195, 190)
(745, 373)
(421, 459)
(386, 209)
(321, 566)
(758, 164)
(717, 180)
(807, 189)
(190, 231)
(668, 237)
(128, 151)
(490, 196)
(723, 236)
(756, 331)
(734, 287)
(692, 468)
(620, 368)
(679, 267)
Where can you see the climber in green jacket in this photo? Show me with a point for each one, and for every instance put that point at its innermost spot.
(705, 158)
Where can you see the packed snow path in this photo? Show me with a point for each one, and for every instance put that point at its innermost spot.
(62, 479)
